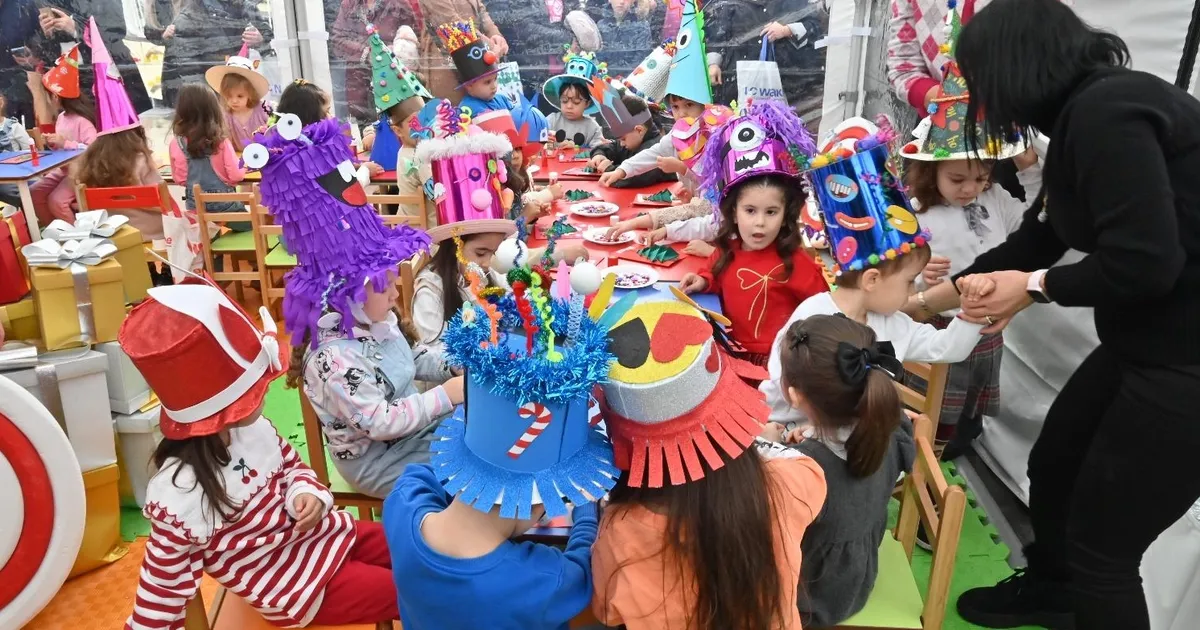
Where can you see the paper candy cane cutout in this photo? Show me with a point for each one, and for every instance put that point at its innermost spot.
(593, 412)
(541, 420)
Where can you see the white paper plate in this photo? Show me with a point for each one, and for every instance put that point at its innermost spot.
(594, 209)
(648, 276)
(596, 235)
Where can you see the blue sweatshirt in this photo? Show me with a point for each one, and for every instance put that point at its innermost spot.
(518, 586)
(478, 106)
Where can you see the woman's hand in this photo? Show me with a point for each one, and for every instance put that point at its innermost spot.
(994, 299)
(169, 32)
(1026, 159)
(600, 163)
(56, 21)
(654, 236)
(776, 31)
(671, 165)
(309, 511)
(251, 36)
(612, 177)
(693, 283)
(937, 268)
(499, 45)
(702, 249)
(454, 390)
(714, 74)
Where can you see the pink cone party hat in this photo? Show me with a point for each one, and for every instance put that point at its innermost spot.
(114, 110)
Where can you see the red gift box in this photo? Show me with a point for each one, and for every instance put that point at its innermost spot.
(12, 279)
(15, 223)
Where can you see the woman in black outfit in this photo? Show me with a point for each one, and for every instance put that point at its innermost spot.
(1115, 463)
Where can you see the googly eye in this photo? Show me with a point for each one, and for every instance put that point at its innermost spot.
(685, 40)
(255, 155)
(475, 53)
(746, 135)
(289, 126)
(475, 174)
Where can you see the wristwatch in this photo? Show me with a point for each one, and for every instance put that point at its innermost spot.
(1034, 288)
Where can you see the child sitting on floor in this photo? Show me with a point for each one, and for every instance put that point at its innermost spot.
(610, 156)
(231, 498)
(759, 269)
(242, 88)
(476, 67)
(843, 381)
(201, 154)
(74, 128)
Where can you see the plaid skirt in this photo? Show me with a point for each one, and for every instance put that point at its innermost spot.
(972, 386)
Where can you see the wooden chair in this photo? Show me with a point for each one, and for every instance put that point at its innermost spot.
(234, 245)
(929, 403)
(150, 198)
(895, 602)
(407, 281)
(271, 257)
(380, 201)
(230, 612)
(343, 495)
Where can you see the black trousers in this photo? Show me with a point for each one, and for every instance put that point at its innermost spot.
(1115, 465)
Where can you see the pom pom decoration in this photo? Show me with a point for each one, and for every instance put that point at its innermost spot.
(585, 278)
(481, 199)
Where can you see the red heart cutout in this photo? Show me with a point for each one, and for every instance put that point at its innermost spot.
(676, 332)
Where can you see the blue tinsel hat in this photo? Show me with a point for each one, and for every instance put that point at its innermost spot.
(523, 436)
(582, 68)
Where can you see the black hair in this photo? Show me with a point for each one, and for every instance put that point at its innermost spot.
(307, 101)
(1021, 60)
(576, 88)
(788, 239)
(206, 455)
(636, 106)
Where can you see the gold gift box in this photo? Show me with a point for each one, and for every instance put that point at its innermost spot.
(132, 256)
(19, 320)
(102, 530)
(58, 313)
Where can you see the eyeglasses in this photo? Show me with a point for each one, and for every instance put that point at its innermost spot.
(572, 101)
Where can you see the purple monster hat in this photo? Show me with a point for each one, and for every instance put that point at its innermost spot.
(762, 138)
(312, 189)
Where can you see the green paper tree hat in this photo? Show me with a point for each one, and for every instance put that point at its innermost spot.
(942, 135)
(391, 81)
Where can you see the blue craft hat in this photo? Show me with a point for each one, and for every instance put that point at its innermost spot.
(581, 68)
(867, 216)
(689, 67)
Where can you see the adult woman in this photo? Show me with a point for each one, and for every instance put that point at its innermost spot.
(440, 76)
(1120, 186)
(348, 40)
(64, 21)
(203, 33)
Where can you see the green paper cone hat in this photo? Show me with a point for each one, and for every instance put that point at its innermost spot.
(391, 82)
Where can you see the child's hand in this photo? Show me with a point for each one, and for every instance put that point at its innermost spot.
(684, 196)
(373, 168)
(693, 283)
(772, 431)
(937, 268)
(976, 287)
(309, 511)
(794, 436)
(454, 390)
(714, 74)
(571, 252)
(671, 165)
(600, 163)
(1027, 159)
(699, 248)
(567, 145)
(619, 229)
(612, 177)
(53, 140)
(556, 191)
(654, 236)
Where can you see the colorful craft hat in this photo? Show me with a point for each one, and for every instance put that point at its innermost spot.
(468, 172)
(310, 185)
(391, 82)
(867, 216)
(689, 135)
(649, 79)
(244, 64)
(689, 67)
(581, 68)
(63, 79)
(763, 138)
(942, 135)
(114, 110)
(675, 396)
(468, 51)
(524, 435)
(191, 324)
(531, 123)
(613, 109)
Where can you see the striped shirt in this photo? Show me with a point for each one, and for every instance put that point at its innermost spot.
(258, 555)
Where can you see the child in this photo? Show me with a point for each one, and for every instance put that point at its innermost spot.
(440, 287)
(759, 268)
(450, 524)
(307, 101)
(13, 137)
(123, 158)
(702, 531)
(231, 498)
(958, 200)
(74, 128)
(242, 88)
(572, 93)
(836, 373)
(356, 363)
(202, 155)
(880, 249)
(610, 156)
(527, 137)
(476, 66)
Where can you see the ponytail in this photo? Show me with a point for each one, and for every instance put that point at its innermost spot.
(878, 416)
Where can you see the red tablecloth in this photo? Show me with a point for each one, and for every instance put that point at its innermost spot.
(605, 255)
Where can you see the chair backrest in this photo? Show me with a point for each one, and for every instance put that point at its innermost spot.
(928, 497)
(314, 440)
(148, 198)
(417, 201)
(408, 270)
(203, 217)
(929, 403)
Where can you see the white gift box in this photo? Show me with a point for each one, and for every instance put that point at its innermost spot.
(127, 390)
(139, 436)
(72, 385)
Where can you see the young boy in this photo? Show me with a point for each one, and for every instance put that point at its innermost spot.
(661, 155)
(609, 157)
(569, 127)
(476, 66)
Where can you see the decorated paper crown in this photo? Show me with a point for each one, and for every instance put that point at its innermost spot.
(866, 212)
(114, 110)
(468, 51)
(675, 396)
(63, 79)
(942, 135)
(581, 68)
(689, 66)
(649, 80)
(468, 172)
(532, 357)
(244, 64)
(690, 135)
(763, 138)
(532, 126)
(613, 109)
(310, 185)
(391, 82)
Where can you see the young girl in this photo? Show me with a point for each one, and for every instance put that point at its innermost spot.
(123, 158)
(74, 128)
(202, 153)
(713, 541)
(242, 89)
(231, 498)
(836, 373)
(356, 364)
(759, 268)
(307, 101)
(440, 288)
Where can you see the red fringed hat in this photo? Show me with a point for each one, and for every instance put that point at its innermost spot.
(675, 396)
(200, 352)
(63, 79)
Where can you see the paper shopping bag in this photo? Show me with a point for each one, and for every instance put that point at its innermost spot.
(760, 80)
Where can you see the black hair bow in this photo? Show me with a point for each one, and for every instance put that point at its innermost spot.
(854, 362)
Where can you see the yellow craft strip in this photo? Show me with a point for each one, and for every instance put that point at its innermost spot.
(600, 302)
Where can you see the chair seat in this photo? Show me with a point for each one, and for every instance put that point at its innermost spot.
(278, 256)
(236, 614)
(895, 601)
(272, 241)
(234, 242)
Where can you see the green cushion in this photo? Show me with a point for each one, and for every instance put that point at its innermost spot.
(234, 242)
(279, 257)
(272, 241)
(895, 601)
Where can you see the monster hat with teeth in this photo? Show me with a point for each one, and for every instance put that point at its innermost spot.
(762, 138)
(341, 245)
